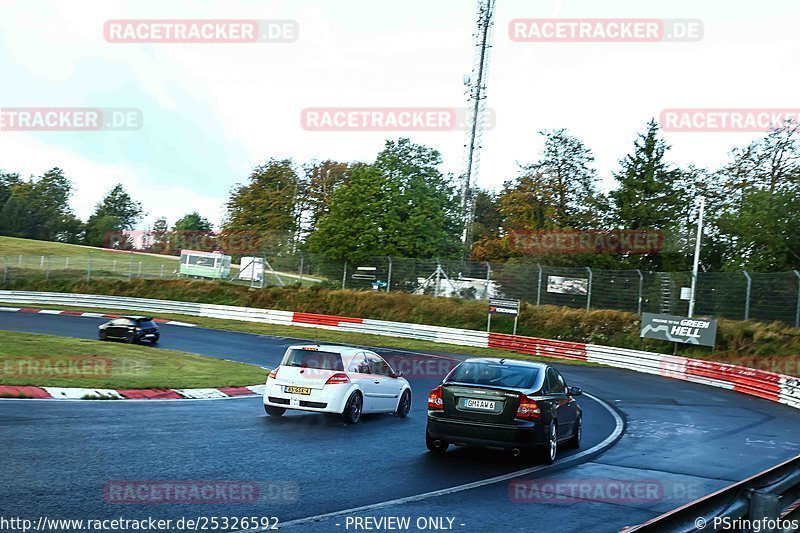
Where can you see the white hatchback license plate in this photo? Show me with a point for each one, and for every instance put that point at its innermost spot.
(479, 404)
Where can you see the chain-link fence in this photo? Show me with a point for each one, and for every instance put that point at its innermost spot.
(735, 295)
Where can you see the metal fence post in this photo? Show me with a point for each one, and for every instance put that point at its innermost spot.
(20, 261)
(162, 272)
(747, 295)
(389, 277)
(301, 268)
(5, 272)
(488, 279)
(66, 263)
(47, 273)
(589, 294)
(797, 310)
(41, 263)
(89, 268)
(344, 274)
(641, 286)
(114, 265)
(539, 286)
(130, 269)
(140, 269)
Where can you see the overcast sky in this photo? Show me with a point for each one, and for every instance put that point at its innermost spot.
(213, 111)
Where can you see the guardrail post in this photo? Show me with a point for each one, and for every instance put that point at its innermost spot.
(641, 285)
(797, 310)
(344, 274)
(539, 286)
(389, 278)
(488, 279)
(589, 293)
(89, 268)
(764, 507)
(747, 295)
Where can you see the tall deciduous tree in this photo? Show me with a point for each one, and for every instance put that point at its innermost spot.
(192, 222)
(320, 182)
(38, 208)
(268, 204)
(401, 205)
(566, 168)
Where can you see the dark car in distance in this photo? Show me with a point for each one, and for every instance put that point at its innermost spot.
(131, 329)
(503, 403)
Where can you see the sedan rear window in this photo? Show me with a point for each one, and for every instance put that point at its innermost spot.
(495, 375)
(146, 324)
(313, 359)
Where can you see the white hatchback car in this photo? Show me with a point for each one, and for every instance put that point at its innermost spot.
(336, 379)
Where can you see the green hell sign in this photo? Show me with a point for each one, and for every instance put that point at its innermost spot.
(681, 329)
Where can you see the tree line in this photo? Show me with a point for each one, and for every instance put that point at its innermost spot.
(402, 204)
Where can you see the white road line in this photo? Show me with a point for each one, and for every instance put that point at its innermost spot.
(619, 425)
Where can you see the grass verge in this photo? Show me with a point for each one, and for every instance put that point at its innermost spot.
(48, 360)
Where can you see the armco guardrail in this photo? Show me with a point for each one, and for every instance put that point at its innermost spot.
(766, 501)
(768, 385)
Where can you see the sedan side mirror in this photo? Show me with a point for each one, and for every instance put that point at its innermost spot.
(574, 391)
(396, 375)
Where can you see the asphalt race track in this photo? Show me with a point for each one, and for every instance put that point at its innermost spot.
(685, 439)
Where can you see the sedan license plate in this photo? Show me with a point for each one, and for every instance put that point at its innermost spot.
(297, 390)
(472, 403)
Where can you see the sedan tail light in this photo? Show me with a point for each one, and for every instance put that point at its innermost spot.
(339, 377)
(528, 408)
(274, 373)
(435, 401)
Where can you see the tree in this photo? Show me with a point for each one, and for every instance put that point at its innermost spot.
(401, 205)
(268, 204)
(114, 214)
(106, 231)
(38, 208)
(118, 203)
(321, 180)
(757, 202)
(192, 222)
(648, 196)
(565, 168)
(157, 237)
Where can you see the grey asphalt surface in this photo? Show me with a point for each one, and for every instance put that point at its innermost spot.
(684, 439)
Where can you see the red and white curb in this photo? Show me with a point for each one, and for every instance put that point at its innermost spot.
(76, 393)
(36, 310)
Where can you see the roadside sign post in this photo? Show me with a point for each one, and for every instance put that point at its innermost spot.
(502, 306)
(679, 329)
